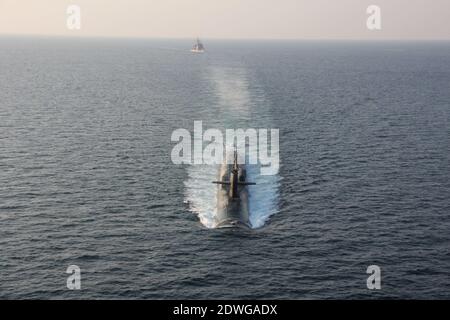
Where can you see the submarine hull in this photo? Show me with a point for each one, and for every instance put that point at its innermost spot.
(232, 211)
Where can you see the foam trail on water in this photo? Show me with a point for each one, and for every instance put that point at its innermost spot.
(263, 197)
(200, 193)
(231, 89)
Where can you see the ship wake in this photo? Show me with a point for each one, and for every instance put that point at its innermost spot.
(201, 194)
(235, 102)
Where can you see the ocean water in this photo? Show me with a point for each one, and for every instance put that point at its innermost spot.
(86, 176)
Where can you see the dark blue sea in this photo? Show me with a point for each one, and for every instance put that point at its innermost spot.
(86, 176)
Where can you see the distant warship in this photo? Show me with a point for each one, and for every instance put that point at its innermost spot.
(198, 47)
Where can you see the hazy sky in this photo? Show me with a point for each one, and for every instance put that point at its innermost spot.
(284, 19)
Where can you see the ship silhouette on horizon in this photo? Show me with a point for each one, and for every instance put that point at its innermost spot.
(198, 47)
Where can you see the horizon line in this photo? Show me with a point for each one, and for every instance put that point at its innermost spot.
(74, 36)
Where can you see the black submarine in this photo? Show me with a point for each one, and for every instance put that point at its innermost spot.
(232, 196)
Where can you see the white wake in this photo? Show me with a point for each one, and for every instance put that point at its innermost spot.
(200, 193)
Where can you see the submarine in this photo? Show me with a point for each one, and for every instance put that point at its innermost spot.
(232, 196)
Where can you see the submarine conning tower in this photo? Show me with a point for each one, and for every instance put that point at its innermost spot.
(236, 179)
